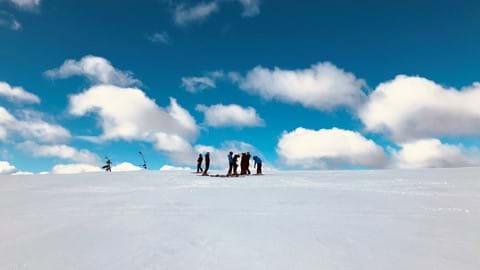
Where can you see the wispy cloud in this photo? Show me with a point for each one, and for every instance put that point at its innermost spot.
(187, 14)
(7, 20)
(25, 4)
(160, 37)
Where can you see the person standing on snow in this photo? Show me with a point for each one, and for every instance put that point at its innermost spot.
(207, 163)
(258, 164)
(247, 163)
(243, 165)
(230, 163)
(235, 164)
(199, 163)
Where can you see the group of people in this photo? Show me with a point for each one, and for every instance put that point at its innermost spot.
(232, 164)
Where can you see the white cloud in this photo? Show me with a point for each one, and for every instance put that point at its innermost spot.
(60, 151)
(74, 168)
(6, 168)
(322, 86)
(160, 37)
(31, 128)
(250, 7)
(431, 153)
(410, 108)
(17, 94)
(174, 168)
(97, 69)
(230, 115)
(25, 4)
(23, 173)
(329, 148)
(184, 15)
(7, 20)
(128, 114)
(125, 167)
(196, 84)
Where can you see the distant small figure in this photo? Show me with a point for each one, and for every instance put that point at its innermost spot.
(247, 163)
(144, 166)
(199, 163)
(258, 164)
(207, 163)
(108, 166)
(235, 164)
(230, 163)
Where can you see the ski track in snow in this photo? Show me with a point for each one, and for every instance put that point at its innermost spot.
(417, 219)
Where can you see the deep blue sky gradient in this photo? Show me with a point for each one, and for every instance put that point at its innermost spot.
(375, 40)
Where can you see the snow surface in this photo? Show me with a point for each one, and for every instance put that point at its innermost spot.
(417, 219)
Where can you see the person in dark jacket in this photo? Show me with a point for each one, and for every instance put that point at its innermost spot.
(199, 163)
(258, 164)
(230, 163)
(207, 163)
(235, 164)
(243, 164)
(247, 163)
(108, 166)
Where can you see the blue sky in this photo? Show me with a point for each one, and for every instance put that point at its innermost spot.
(262, 69)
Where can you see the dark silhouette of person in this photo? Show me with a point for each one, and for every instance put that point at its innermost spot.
(230, 163)
(235, 164)
(247, 163)
(258, 164)
(108, 166)
(199, 163)
(243, 169)
(207, 163)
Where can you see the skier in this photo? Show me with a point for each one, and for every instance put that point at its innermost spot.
(108, 166)
(235, 164)
(258, 164)
(207, 163)
(199, 163)
(247, 163)
(230, 163)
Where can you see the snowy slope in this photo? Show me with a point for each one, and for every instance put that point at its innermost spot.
(419, 219)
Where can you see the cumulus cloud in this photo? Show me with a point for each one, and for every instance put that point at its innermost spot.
(125, 167)
(25, 4)
(23, 173)
(17, 94)
(188, 14)
(128, 114)
(7, 20)
(31, 128)
(329, 148)
(160, 37)
(230, 115)
(74, 168)
(322, 86)
(6, 168)
(174, 168)
(96, 69)
(59, 151)
(410, 108)
(432, 153)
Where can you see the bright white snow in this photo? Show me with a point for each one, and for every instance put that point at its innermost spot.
(417, 219)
